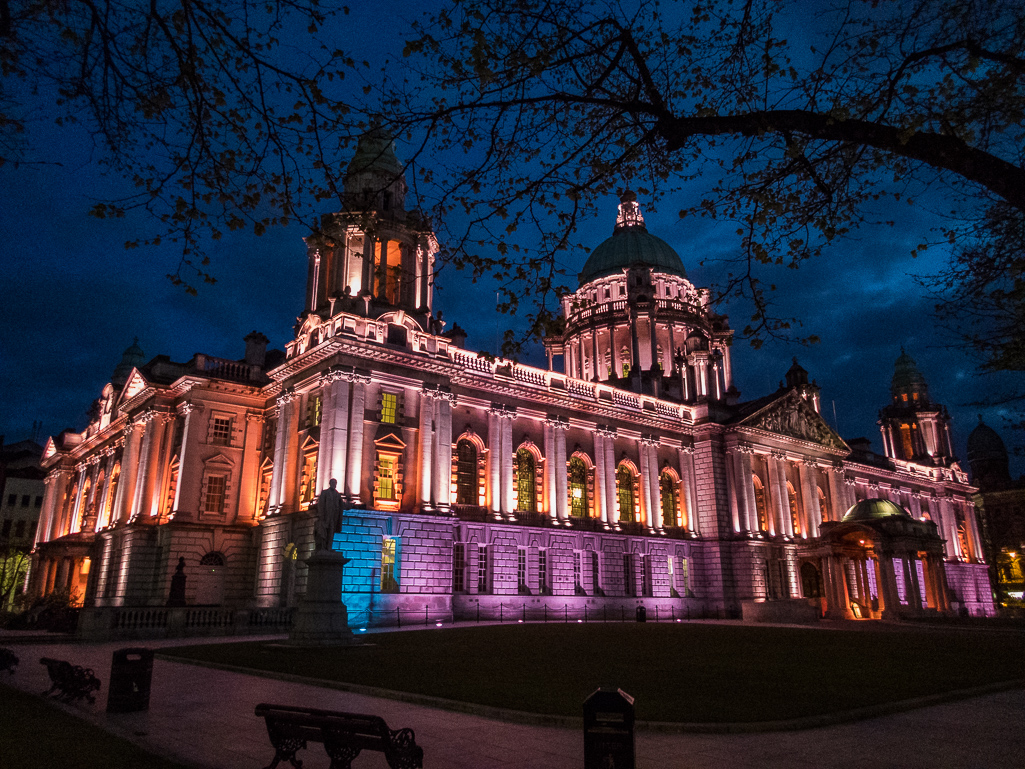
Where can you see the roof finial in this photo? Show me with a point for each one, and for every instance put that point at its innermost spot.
(629, 212)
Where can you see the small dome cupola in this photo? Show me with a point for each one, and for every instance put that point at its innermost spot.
(374, 177)
(908, 384)
(631, 245)
(132, 357)
(796, 376)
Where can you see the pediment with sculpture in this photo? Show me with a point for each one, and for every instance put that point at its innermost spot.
(793, 417)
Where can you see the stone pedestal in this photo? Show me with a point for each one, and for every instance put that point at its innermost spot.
(321, 618)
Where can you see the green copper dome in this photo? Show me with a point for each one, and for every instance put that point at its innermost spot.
(631, 245)
(906, 375)
(375, 152)
(873, 510)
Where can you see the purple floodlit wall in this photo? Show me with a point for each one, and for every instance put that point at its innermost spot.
(970, 589)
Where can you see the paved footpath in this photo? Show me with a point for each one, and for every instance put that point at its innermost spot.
(204, 717)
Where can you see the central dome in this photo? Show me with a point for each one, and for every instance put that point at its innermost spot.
(631, 245)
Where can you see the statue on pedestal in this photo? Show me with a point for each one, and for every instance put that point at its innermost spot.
(327, 510)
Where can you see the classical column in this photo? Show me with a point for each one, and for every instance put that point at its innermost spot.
(325, 453)
(508, 484)
(249, 480)
(151, 440)
(551, 484)
(426, 441)
(561, 470)
(51, 500)
(89, 503)
(656, 487)
(601, 434)
(812, 511)
(612, 487)
(441, 476)
(282, 413)
(79, 503)
(129, 473)
(355, 462)
(645, 461)
(186, 411)
(338, 426)
(971, 519)
(495, 460)
(915, 504)
(102, 510)
(686, 458)
(778, 487)
(911, 582)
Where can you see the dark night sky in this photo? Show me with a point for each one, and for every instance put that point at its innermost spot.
(74, 298)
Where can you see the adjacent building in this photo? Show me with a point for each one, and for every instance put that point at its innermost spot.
(628, 473)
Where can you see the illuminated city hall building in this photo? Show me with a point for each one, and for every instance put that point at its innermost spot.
(627, 473)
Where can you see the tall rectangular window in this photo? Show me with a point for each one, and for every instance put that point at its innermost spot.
(542, 571)
(521, 570)
(385, 478)
(684, 579)
(629, 583)
(482, 570)
(458, 567)
(389, 551)
(220, 431)
(645, 575)
(577, 583)
(389, 408)
(596, 573)
(314, 410)
(215, 487)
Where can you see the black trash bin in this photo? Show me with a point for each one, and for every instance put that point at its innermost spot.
(642, 614)
(609, 730)
(131, 674)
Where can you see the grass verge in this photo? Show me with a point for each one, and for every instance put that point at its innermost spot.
(35, 733)
(676, 672)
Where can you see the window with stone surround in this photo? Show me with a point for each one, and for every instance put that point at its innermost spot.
(308, 473)
(390, 565)
(629, 578)
(823, 505)
(760, 508)
(645, 560)
(466, 473)
(542, 572)
(667, 489)
(596, 573)
(214, 493)
(625, 493)
(578, 585)
(458, 567)
(683, 579)
(577, 488)
(795, 516)
(314, 410)
(482, 569)
(389, 408)
(521, 571)
(526, 482)
(220, 429)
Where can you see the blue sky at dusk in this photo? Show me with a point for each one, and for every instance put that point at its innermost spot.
(74, 297)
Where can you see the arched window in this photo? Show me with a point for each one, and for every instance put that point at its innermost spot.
(795, 520)
(466, 473)
(625, 491)
(760, 509)
(824, 505)
(577, 488)
(212, 559)
(526, 483)
(667, 487)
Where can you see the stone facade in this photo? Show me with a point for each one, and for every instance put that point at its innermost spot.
(477, 487)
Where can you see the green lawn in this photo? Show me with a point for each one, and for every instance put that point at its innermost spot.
(35, 733)
(676, 672)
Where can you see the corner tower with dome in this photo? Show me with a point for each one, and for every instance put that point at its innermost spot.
(634, 477)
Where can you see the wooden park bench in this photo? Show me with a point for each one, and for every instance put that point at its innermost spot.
(344, 735)
(70, 682)
(8, 660)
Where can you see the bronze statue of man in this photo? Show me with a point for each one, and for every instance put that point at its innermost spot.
(328, 512)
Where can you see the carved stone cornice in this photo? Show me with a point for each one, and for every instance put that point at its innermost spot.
(554, 421)
(779, 456)
(650, 440)
(254, 416)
